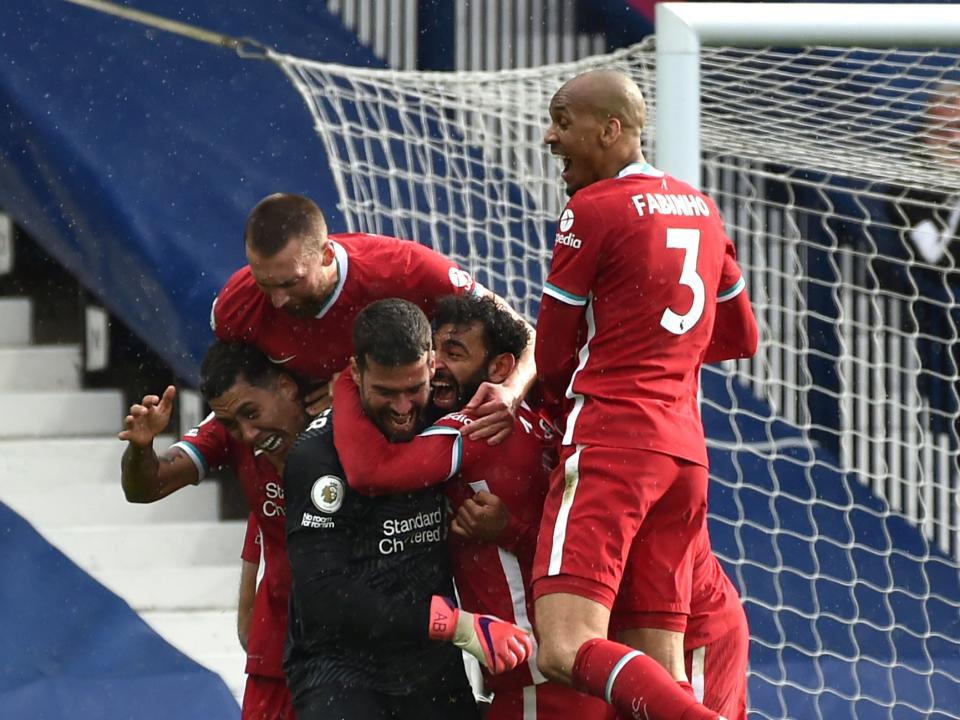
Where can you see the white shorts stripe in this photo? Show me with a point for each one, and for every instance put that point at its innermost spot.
(518, 594)
(530, 702)
(696, 671)
(571, 479)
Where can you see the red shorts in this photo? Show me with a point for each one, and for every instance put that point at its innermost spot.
(267, 698)
(549, 701)
(718, 673)
(618, 523)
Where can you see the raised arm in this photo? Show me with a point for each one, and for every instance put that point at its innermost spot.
(145, 476)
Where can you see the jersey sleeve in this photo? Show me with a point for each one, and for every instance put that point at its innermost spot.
(431, 275)
(576, 254)
(251, 541)
(374, 465)
(207, 445)
(566, 292)
(735, 333)
(233, 315)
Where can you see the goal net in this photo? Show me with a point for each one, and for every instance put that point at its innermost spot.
(834, 501)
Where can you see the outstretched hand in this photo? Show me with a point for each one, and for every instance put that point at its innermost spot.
(148, 418)
(492, 406)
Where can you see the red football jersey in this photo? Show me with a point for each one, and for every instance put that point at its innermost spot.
(491, 579)
(715, 605)
(639, 263)
(251, 541)
(370, 267)
(210, 446)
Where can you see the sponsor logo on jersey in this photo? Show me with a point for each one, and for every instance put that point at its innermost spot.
(422, 528)
(327, 493)
(458, 417)
(687, 205)
(566, 220)
(460, 278)
(273, 504)
(317, 521)
(568, 239)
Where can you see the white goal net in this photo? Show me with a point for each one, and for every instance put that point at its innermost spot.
(834, 500)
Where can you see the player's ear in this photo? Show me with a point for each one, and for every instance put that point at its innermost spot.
(327, 255)
(500, 366)
(611, 131)
(433, 363)
(287, 388)
(355, 371)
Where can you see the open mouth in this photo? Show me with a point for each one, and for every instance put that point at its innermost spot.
(270, 443)
(444, 393)
(402, 423)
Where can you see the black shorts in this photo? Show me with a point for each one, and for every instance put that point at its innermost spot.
(331, 702)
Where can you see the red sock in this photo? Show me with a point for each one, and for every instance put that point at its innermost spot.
(635, 684)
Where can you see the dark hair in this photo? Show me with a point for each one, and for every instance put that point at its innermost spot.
(502, 332)
(279, 218)
(226, 363)
(391, 332)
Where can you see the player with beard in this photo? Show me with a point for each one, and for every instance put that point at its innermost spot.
(492, 560)
(498, 514)
(259, 413)
(301, 291)
(370, 573)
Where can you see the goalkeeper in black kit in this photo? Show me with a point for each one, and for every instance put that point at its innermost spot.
(373, 635)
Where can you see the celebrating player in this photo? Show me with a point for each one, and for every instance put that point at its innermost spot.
(370, 573)
(497, 494)
(641, 270)
(299, 295)
(260, 412)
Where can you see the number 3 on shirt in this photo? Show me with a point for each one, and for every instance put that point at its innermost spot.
(687, 240)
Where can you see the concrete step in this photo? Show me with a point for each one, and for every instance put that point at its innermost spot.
(16, 321)
(48, 463)
(128, 547)
(60, 413)
(103, 504)
(40, 367)
(183, 589)
(209, 637)
(225, 665)
(198, 631)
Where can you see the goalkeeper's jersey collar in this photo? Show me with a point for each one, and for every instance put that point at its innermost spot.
(343, 262)
(639, 168)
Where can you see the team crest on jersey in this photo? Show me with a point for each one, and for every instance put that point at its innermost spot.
(566, 220)
(460, 278)
(327, 493)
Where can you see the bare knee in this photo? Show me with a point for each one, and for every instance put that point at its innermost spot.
(556, 656)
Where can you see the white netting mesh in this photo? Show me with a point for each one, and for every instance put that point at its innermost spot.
(834, 452)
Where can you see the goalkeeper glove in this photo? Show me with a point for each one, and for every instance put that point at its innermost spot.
(497, 644)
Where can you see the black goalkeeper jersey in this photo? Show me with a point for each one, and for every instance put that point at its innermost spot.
(353, 558)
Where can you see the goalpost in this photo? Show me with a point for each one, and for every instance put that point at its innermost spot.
(834, 473)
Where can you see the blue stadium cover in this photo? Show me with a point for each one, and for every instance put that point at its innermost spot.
(133, 156)
(73, 649)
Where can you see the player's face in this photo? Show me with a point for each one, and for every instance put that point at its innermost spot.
(574, 135)
(461, 365)
(296, 279)
(265, 418)
(396, 398)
